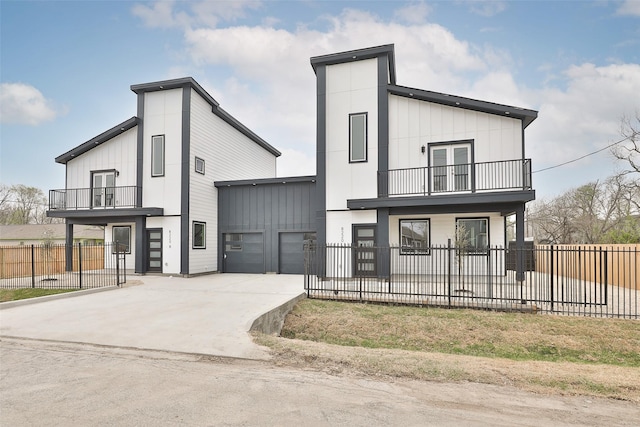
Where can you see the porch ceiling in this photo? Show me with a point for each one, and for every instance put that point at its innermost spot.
(105, 213)
(503, 202)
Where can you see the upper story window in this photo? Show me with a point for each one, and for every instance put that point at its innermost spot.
(357, 137)
(157, 155)
(200, 165)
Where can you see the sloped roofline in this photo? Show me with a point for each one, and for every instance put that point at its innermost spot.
(215, 106)
(358, 55)
(97, 140)
(527, 116)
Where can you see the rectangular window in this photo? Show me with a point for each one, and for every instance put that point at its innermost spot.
(199, 235)
(157, 155)
(357, 137)
(233, 242)
(200, 165)
(121, 239)
(414, 236)
(472, 235)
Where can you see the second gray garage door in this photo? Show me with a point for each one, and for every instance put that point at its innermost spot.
(291, 251)
(243, 253)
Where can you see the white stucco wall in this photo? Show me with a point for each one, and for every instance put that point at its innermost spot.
(170, 242)
(163, 116)
(351, 88)
(130, 258)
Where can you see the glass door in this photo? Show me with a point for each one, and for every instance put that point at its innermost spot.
(364, 257)
(103, 189)
(450, 168)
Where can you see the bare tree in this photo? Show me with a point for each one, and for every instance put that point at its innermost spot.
(629, 151)
(21, 204)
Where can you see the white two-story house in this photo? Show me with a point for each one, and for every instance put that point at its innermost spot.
(406, 167)
(150, 179)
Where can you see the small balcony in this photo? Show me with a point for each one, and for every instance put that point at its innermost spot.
(98, 198)
(506, 175)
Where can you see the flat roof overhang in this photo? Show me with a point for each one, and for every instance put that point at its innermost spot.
(103, 213)
(481, 202)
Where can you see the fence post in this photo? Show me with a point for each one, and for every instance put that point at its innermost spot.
(117, 264)
(449, 271)
(551, 275)
(33, 267)
(80, 262)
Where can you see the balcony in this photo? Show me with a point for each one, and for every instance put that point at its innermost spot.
(506, 175)
(97, 198)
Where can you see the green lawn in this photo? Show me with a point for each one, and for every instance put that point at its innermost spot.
(24, 293)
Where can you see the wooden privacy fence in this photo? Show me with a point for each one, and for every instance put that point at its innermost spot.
(25, 260)
(615, 265)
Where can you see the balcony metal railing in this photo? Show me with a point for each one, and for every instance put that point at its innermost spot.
(93, 198)
(462, 178)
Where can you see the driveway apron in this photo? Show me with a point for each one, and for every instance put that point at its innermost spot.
(207, 314)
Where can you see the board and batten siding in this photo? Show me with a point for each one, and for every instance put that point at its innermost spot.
(350, 88)
(414, 123)
(270, 209)
(118, 153)
(228, 154)
(163, 116)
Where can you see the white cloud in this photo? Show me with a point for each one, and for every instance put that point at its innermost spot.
(487, 8)
(415, 13)
(169, 13)
(24, 104)
(629, 7)
(296, 163)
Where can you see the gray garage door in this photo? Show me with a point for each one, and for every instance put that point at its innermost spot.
(243, 253)
(291, 251)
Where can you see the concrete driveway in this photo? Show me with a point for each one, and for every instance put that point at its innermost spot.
(207, 315)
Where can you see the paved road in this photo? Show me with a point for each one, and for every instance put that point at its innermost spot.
(57, 384)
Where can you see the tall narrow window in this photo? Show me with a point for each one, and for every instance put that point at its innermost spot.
(157, 155)
(122, 239)
(358, 137)
(199, 235)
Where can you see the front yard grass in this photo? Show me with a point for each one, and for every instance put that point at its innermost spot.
(550, 354)
(24, 293)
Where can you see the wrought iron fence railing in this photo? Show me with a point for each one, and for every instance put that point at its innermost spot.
(45, 266)
(94, 198)
(579, 280)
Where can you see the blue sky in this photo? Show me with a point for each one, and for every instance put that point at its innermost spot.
(66, 68)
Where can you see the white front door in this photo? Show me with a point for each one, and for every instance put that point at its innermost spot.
(103, 189)
(450, 168)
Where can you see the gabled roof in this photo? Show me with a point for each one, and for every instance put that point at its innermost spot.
(527, 116)
(357, 55)
(97, 140)
(215, 106)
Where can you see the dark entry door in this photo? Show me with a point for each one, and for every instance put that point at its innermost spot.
(154, 243)
(364, 257)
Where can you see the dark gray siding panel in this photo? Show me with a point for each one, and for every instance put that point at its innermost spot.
(269, 208)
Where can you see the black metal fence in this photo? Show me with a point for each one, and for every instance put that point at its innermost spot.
(45, 266)
(580, 280)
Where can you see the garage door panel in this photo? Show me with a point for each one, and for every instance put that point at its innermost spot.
(244, 253)
(291, 251)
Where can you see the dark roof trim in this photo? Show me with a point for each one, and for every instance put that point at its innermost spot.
(93, 142)
(357, 55)
(527, 116)
(105, 213)
(266, 181)
(215, 106)
(440, 200)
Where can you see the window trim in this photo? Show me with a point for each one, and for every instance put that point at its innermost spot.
(475, 252)
(198, 159)
(204, 235)
(406, 250)
(114, 241)
(366, 138)
(153, 150)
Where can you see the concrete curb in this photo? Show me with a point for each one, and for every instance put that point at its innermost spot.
(271, 322)
(29, 301)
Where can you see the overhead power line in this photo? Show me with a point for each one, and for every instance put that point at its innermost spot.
(581, 157)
